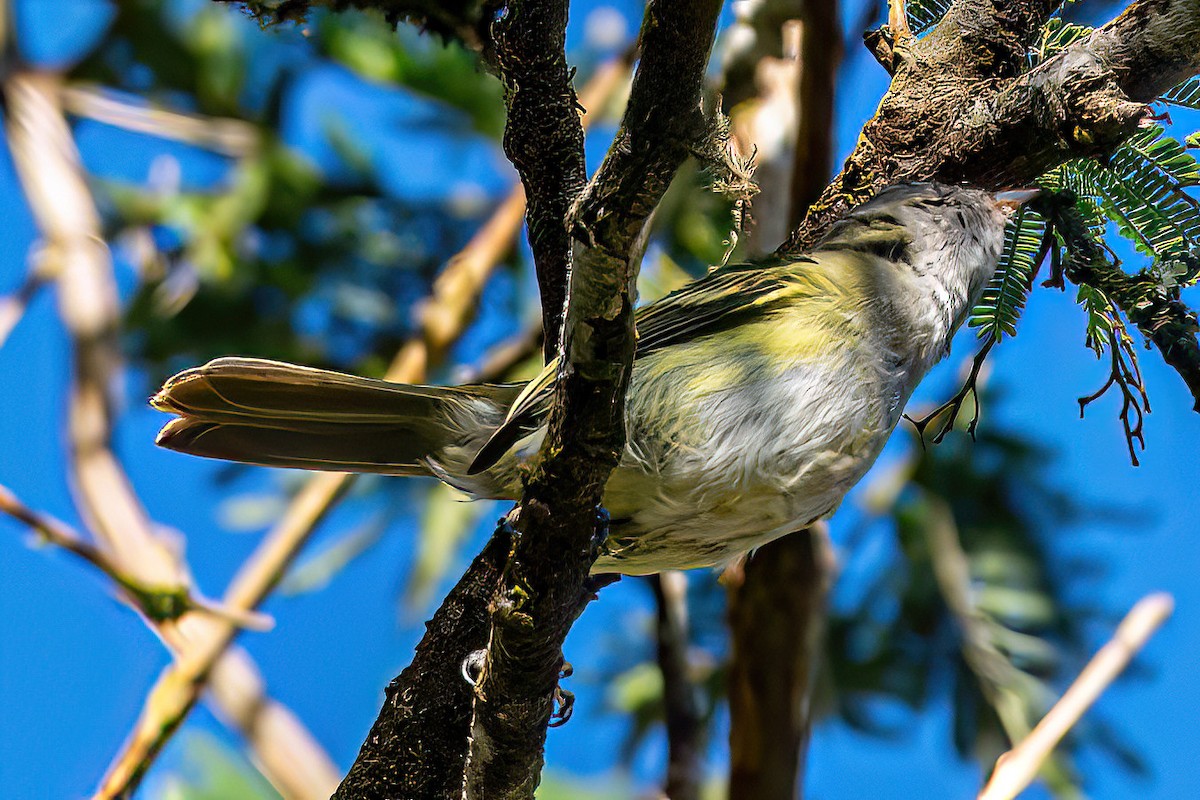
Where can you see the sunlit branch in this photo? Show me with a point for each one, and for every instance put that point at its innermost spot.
(1017, 768)
(74, 253)
(157, 603)
(232, 137)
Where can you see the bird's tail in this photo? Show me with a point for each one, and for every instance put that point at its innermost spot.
(282, 415)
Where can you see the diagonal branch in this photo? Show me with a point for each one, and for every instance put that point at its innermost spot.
(1016, 769)
(74, 254)
(557, 540)
(959, 111)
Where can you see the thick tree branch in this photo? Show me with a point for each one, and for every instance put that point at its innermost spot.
(556, 521)
(418, 744)
(416, 748)
(981, 125)
(958, 111)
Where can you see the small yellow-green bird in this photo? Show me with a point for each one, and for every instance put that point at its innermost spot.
(760, 393)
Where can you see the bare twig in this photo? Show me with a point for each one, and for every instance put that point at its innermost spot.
(952, 407)
(1126, 374)
(157, 603)
(1017, 768)
(232, 137)
(898, 21)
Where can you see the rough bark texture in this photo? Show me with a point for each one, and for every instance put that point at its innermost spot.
(776, 615)
(958, 111)
(417, 746)
(544, 140)
(556, 521)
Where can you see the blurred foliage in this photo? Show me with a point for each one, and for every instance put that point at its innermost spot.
(213, 771)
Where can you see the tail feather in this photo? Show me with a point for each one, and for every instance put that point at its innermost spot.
(275, 414)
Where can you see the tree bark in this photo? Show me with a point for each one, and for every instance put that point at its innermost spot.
(557, 525)
(681, 706)
(776, 615)
(417, 746)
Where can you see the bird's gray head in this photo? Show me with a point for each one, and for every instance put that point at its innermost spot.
(949, 234)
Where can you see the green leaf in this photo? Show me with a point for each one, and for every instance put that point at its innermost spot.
(1004, 298)
(1056, 36)
(924, 14)
(1099, 311)
(1185, 94)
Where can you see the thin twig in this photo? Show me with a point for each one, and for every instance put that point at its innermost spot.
(158, 603)
(952, 407)
(232, 137)
(1017, 768)
(74, 254)
(898, 21)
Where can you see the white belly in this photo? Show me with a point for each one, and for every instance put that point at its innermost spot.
(745, 465)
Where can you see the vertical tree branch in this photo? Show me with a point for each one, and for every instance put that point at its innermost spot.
(556, 521)
(417, 746)
(685, 726)
(777, 608)
(544, 140)
(820, 58)
(776, 615)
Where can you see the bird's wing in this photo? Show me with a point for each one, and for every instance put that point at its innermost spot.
(710, 304)
(716, 302)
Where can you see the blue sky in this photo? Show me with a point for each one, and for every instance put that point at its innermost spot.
(74, 664)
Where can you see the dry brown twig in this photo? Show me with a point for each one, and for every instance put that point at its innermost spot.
(73, 254)
(443, 317)
(1017, 768)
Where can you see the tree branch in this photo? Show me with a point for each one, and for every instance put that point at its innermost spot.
(418, 744)
(1016, 769)
(777, 621)
(75, 256)
(981, 125)
(544, 140)
(556, 521)
(959, 111)
(681, 707)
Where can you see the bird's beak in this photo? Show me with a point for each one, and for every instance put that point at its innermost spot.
(1012, 199)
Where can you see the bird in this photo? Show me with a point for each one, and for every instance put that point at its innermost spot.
(760, 393)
